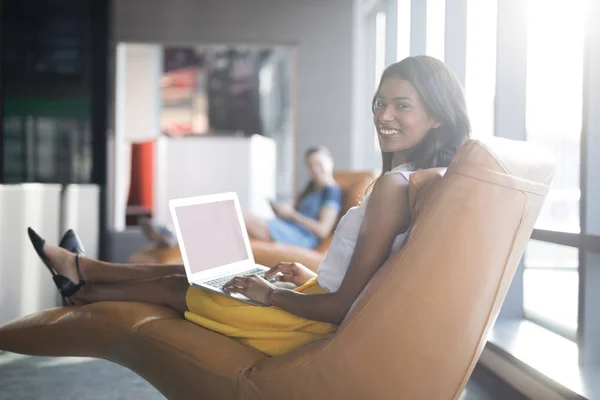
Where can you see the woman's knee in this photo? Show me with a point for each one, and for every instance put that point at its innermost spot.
(174, 289)
(257, 227)
(175, 284)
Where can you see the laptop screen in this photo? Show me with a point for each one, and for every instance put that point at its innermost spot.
(212, 234)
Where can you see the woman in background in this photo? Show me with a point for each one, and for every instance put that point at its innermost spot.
(315, 212)
(311, 219)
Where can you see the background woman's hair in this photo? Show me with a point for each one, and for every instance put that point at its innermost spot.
(443, 97)
(318, 149)
(311, 184)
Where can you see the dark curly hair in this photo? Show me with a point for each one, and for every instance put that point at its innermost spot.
(311, 186)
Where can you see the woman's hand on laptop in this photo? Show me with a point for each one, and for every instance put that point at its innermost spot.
(253, 287)
(292, 272)
(258, 289)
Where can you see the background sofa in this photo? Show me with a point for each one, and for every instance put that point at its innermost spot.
(353, 185)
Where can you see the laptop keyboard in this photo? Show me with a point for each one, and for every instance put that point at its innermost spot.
(220, 282)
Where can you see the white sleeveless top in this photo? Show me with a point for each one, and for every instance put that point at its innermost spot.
(333, 268)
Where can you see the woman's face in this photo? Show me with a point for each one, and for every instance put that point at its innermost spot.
(320, 167)
(400, 116)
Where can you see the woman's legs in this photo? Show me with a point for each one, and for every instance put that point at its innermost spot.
(257, 227)
(156, 284)
(103, 272)
(167, 291)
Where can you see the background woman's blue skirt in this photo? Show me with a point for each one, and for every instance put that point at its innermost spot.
(286, 232)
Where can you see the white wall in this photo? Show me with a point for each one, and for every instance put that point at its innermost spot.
(81, 212)
(320, 31)
(25, 284)
(139, 69)
(195, 166)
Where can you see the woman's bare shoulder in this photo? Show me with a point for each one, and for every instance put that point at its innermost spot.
(390, 185)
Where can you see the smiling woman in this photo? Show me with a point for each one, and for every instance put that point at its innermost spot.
(407, 103)
(405, 123)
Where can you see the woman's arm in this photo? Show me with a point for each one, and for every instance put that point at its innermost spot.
(321, 227)
(328, 214)
(386, 216)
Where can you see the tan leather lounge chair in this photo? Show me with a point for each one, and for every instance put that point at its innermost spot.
(415, 332)
(353, 185)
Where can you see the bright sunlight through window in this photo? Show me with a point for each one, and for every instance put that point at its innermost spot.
(555, 42)
(551, 286)
(379, 45)
(436, 26)
(403, 34)
(379, 59)
(555, 39)
(480, 75)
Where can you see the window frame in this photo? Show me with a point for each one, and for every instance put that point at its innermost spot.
(510, 85)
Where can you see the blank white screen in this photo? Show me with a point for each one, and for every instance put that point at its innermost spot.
(212, 234)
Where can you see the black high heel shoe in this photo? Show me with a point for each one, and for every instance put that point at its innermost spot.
(65, 286)
(71, 242)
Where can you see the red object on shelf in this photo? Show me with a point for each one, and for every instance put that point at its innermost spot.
(141, 189)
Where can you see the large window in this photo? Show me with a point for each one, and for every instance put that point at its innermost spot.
(47, 149)
(524, 79)
(380, 46)
(480, 76)
(50, 93)
(551, 286)
(554, 120)
(403, 30)
(436, 28)
(554, 101)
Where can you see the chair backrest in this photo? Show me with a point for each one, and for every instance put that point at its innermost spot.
(418, 328)
(353, 185)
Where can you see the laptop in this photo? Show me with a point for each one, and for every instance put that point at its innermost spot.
(214, 242)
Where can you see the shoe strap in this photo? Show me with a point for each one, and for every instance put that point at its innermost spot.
(81, 281)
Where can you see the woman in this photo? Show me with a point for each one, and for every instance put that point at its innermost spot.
(316, 210)
(421, 120)
(311, 220)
